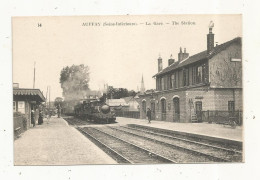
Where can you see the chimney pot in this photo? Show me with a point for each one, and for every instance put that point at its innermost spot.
(170, 61)
(210, 38)
(160, 67)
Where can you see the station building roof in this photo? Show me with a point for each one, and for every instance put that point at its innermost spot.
(21, 94)
(198, 57)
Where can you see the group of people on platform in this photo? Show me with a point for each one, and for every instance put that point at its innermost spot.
(40, 118)
(48, 114)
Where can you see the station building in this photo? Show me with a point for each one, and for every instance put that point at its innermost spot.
(193, 87)
(25, 100)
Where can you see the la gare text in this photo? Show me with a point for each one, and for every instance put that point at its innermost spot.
(152, 23)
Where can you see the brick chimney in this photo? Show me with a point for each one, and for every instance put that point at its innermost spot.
(182, 55)
(170, 61)
(210, 38)
(185, 54)
(160, 67)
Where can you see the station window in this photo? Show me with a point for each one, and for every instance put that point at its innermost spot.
(199, 74)
(185, 77)
(172, 84)
(194, 75)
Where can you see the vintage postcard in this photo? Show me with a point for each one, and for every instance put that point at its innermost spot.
(133, 89)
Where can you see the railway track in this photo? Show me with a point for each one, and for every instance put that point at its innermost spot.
(122, 150)
(229, 146)
(142, 145)
(216, 153)
(174, 155)
(76, 122)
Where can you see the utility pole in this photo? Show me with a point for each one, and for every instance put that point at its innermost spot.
(34, 76)
(49, 96)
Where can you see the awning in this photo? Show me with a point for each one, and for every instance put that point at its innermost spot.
(28, 94)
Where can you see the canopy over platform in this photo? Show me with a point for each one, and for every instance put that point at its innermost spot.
(28, 94)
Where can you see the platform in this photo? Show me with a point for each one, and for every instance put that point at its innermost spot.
(57, 143)
(205, 129)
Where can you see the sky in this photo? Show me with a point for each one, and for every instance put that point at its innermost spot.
(117, 55)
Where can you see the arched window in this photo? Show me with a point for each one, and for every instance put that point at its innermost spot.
(163, 108)
(176, 109)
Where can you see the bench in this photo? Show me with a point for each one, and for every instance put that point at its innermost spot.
(17, 131)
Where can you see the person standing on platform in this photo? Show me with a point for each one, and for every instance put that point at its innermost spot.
(40, 120)
(148, 114)
(32, 118)
(59, 111)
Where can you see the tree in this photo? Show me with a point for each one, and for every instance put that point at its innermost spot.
(74, 81)
(132, 93)
(58, 102)
(117, 93)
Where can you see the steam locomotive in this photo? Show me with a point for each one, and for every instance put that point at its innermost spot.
(94, 110)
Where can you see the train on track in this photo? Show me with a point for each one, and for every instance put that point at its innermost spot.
(94, 110)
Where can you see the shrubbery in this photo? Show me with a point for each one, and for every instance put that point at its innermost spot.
(20, 120)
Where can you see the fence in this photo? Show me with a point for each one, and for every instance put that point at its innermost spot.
(220, 117)
(128, 114)
(20, 125)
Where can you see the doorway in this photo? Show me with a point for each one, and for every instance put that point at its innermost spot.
(176, 109)
(153, 110)
(163, 105)
(198, 109)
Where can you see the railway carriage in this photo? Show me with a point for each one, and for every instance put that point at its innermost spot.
(68, 107)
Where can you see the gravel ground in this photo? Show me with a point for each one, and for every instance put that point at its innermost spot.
(197, 147)
(169, 152)
(56, 143)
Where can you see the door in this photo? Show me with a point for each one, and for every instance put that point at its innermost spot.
(198, 109)
(176, 109)
(152, 110)
(163, 105)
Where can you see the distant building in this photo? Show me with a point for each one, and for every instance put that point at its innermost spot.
(132, 102)
(117, 104)
(210, 80)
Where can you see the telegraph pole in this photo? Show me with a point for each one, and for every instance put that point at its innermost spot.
(49, 96)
